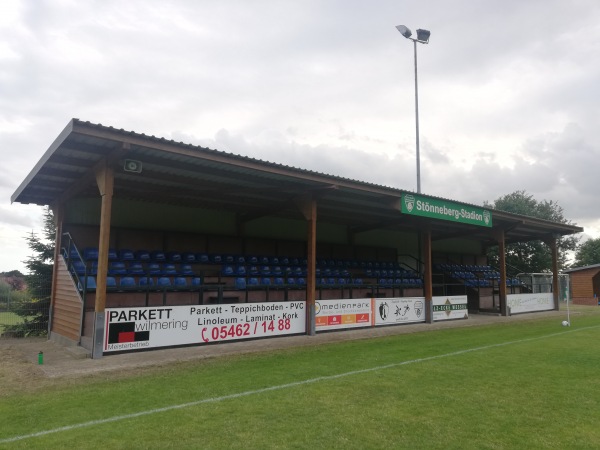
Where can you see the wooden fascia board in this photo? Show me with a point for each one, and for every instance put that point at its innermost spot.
(219, 157)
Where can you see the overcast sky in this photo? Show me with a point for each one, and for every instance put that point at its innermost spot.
(508, 91)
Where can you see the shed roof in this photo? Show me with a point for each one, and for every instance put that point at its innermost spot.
(182, 174)
(592, 267)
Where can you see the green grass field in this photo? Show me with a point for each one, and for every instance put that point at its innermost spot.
(527, 384)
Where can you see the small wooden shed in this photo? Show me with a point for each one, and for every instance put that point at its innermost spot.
(585, 284)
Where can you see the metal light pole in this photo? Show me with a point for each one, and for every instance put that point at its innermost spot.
(423, 38)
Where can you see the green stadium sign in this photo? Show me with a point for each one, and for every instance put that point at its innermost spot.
(418, 205)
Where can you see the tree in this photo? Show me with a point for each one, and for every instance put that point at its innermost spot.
(14, 278)
(532, 256)
(34, 307)
(588, 253)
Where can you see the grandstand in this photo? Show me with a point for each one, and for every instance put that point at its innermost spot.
(144, 222)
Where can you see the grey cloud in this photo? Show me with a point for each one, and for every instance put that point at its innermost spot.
(507, 89)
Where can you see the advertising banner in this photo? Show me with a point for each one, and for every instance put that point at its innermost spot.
(450, 307)
(390, 311)
(520, 303)
(341, 314)
(128, 329)
(418, 205)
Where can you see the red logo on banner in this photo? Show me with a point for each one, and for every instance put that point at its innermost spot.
(334, 320)
(362, 318)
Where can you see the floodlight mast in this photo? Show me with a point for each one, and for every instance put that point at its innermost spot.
(423, 38)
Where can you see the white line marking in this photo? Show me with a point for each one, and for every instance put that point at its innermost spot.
(278, 387)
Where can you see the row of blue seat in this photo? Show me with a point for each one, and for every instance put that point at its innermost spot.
(128, 282)
(265, 270)
(487, 275)
(116, 268)
(481, 282)
(134, 268)
(162, 282)
(145, 256)
(447, 267)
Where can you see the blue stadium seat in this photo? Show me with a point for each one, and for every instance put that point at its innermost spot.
(135, 268)
(196, 281)
(111, 283)
(202, 258)
(90, 254)
(278, 281)
(240, 283)
(180, 282)
(188, 257)
(91, 284)
(78, 267)
(174, 257)
(117, 268)
(169, 269)
(253, 281)
(126, 255)
(127, 282)
(146, 281)
(163, 282)
(153, 269)
(142, 255)
(158, 256)
(265, 281)
(186, 269)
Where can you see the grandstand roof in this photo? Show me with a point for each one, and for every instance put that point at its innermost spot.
(187, 175)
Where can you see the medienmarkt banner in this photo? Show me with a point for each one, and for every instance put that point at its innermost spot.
(418, 205)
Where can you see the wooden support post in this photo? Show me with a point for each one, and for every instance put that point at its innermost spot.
(555, 285)
(502, 283)
(428, 278)
(308, 206)
(105, 180)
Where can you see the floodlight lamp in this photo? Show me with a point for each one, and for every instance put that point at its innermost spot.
(404, 31)
(423, 36)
